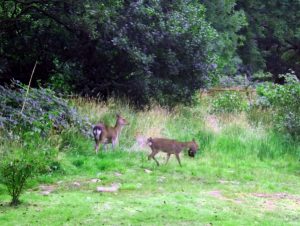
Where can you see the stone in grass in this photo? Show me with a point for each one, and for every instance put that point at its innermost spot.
(147, 171)
(112, 188)
(45, 193)
(46, 189)
(118, 174)
(95, 180)
(76, 184)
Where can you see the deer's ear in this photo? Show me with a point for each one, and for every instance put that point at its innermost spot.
(118, 115)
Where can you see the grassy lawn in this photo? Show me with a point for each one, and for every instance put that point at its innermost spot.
(213, 189)
(243, 174)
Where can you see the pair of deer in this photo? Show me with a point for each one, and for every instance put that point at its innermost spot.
(105, 134)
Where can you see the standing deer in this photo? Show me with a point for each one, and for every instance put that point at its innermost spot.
(105, 134)
(170, 147)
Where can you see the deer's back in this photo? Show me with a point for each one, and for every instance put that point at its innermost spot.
(167, 145)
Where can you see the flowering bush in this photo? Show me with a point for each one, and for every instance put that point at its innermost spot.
(44, 111)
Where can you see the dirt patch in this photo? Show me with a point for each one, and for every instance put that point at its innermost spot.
(47, 189)
(221, 181)
(112, 188)
(278, 196)
(272, 201)
(217, 194)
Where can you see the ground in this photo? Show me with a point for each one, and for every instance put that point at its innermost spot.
(212, 189)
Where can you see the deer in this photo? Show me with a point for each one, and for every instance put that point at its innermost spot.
(104, 134)
(171, 147)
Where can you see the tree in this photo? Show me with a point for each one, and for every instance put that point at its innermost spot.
(161, 50)
(273, 35)
(228, 21)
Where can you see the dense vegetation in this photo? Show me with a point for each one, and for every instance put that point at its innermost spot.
(147, 60)
(238, 155)
(146, 50)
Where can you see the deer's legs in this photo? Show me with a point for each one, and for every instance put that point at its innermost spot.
(152, 155)
(168, 157)
(97, 147)
(178, 159)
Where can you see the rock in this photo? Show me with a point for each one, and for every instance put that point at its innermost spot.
(161, 179)
(45, 193)
(118, 174)
(76, 184)
(113, 188)
(46, 189)
(95, 180)
(147, 171)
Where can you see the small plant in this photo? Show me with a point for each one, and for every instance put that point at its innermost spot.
(15, 169)
(20, 161)
(229, 102)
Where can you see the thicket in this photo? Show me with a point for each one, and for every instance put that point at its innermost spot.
(284, 102)
(44, 111)
(26, 149)
(229, 102)
(146, 50)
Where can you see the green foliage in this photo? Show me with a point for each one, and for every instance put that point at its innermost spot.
(284, 101)
(145, 50)
(17, 166)
(63, 77)
(272, 36)
(43, 112)
(14, 174)
(229, 21)
(229, 102)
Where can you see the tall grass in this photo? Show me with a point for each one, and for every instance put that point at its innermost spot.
(239, 135)
(237, 158)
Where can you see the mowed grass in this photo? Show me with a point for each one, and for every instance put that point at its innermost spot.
(243, 174)
(213, 188)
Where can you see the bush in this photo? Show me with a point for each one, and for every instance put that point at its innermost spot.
(15, 169)
(229, 102)
(21, 160)
(283, 100)
(43, 111)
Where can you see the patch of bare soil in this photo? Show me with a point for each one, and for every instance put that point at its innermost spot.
(112, 188)
(47, 189)
(218, 194)
(272, 201)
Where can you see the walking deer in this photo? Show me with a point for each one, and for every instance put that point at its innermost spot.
(170, 147)
(104, 134)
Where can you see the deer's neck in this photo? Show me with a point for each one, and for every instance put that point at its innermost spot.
(185, 144)
(118, 128)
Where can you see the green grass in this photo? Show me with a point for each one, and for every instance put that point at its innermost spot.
(213, 188)
(243, 174)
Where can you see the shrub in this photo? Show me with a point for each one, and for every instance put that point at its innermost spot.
(284, 103)
(15, 169)
(21, 160)
(43, 111)
(229, 102)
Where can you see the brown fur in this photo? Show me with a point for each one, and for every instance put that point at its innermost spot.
(108, 134)
(170, 147)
